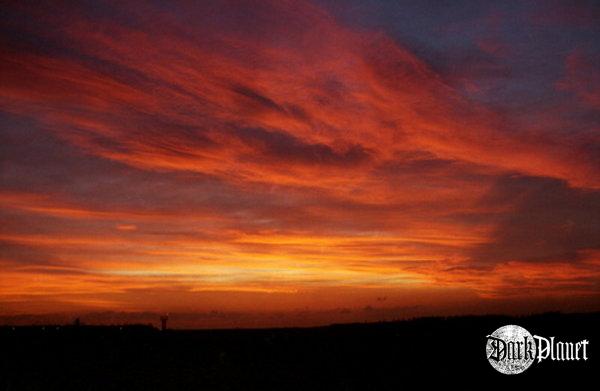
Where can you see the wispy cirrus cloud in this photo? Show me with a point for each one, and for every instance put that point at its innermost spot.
(240, 147)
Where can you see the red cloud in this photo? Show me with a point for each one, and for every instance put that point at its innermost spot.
(582, 77)
(336, 158)
(183, 98)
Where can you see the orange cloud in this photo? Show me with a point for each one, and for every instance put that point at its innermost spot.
(268, 150)
(227, 104)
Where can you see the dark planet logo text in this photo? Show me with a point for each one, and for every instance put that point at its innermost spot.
(512, 349)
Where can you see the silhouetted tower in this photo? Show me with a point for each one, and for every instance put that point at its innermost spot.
(163, 322)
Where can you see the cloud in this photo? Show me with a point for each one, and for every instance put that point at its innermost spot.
(549, 221)
(222, 151)
(189, 90)
(582, 77)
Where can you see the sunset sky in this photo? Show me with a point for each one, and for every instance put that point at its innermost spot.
(250, 163)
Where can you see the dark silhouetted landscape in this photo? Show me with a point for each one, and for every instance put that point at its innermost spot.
(369, 356)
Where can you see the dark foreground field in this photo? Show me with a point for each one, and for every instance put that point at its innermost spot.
(381, 356)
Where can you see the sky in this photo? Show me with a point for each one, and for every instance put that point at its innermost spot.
(266, 163)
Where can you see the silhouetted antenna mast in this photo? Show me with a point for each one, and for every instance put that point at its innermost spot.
(163, 322)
